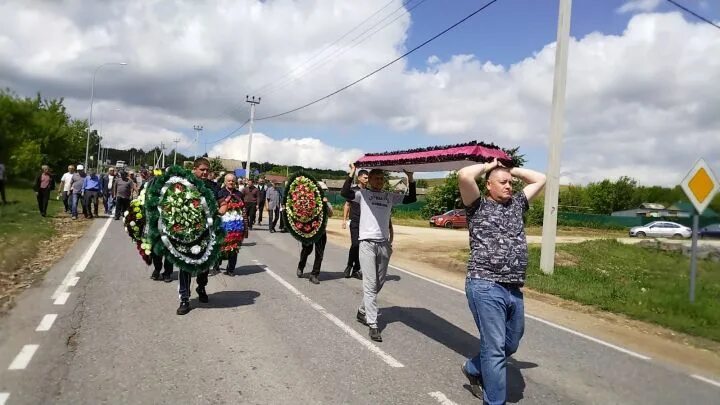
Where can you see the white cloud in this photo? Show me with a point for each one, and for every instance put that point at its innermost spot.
(641, 103)
(308, 152)
(631, 6)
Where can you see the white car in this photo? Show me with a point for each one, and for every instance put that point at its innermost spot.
(661, 229)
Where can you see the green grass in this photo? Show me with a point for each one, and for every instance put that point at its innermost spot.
(644, 284)
(21, 226)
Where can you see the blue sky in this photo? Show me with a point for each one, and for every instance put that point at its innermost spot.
(505, 33)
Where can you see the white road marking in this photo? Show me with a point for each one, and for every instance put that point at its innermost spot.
(46, 323)
(340, 324)
(23, 358)
(4, 397)
(71, 278)
(535, 318)
(441, 398)
(62, 298)
(707, 380)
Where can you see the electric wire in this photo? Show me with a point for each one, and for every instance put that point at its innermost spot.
(687, 10)
(441, 33)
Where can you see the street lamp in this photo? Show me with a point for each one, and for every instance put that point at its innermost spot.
(100, 160)
(92, 96)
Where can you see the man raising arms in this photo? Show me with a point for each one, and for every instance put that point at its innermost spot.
(496, 269)
(374, 235)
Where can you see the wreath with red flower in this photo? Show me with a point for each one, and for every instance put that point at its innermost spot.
(305, 213)
(233, 222)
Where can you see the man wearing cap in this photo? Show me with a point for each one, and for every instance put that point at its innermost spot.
(76, 184)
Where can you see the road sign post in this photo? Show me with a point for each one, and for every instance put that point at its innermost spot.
(700, 186)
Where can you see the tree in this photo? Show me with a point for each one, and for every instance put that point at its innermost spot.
(442, 198)
(422, 183)
(216, 165)
(606, 196)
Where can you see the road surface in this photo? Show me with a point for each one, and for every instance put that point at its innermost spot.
(98, 330)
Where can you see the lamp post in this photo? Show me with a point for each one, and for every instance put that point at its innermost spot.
(92, 97)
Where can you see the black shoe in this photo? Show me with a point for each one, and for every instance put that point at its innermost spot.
(272, 231)
(167, 277)
(229, 273)
(348, 272)
(375, 334)
(184, 307)
(202, 295)
(299, 272)
(357, 274)
(155, 275)
(314, 279)
(475, 382)
(361, 318)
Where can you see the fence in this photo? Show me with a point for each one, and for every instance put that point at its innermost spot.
(605, 220)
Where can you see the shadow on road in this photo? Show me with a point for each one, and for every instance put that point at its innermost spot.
(327, 276)
(228, 299)
(454, 338)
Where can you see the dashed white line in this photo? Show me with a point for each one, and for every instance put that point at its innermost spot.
(441, 398)
(71, 278)
(340, 324)
(4, 397)
(62, 298)
(535, 318)
(705, 379)
(46, 323)
(23, 358)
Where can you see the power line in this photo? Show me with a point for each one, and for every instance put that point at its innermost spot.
(357, 40)
(441, 33)
(230, 133)
(687, 10)
(320, 52)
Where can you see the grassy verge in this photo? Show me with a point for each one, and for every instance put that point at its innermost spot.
(22, 228)
(641, 283)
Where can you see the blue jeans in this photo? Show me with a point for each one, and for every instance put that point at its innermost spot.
(499, 314)
(75, 200)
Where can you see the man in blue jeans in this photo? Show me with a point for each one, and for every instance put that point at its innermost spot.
(496, 270)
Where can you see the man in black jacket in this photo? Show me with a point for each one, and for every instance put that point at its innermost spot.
(374, 235)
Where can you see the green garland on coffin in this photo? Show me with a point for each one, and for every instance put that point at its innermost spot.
(316, 217)
(182, 224)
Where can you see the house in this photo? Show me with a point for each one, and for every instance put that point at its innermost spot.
(688, 210)
(651, 210)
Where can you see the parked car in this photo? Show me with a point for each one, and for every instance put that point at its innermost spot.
(450, 219)
(661, 229)
(710, 231)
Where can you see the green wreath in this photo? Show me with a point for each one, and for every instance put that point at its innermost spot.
(182, 225)
(306, 214)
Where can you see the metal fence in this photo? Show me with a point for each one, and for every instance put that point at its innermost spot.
(630, 221)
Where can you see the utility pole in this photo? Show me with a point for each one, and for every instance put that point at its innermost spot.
(552, 186)
(176, 140)
(162, 146)
(197, 129)
(253, 103)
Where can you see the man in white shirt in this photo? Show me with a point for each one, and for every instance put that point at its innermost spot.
(107, 184)
(65, 181)
(374, 235)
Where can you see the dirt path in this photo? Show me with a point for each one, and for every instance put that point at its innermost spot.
(429, 252)
(15, 281)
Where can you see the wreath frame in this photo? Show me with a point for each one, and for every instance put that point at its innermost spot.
(152, 212)
(288, 199)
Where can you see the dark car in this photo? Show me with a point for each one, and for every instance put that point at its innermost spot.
(450, 219)
(710, 231)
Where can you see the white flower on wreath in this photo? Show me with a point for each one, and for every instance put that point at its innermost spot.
(195, 249)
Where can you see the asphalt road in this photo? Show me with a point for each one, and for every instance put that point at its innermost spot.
(267, 337)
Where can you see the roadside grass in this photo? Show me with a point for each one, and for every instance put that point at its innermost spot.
(644, 284)
(22, 228)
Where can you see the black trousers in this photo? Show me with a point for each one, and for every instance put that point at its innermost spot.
(354, 254)
(2, 191)
(251, 208)
(67, 200)
(43, 197)
(91, 202)
(273, 216)
(158, 264)
(319, 253)
(185, 279)
(261, 207)
(122, 205)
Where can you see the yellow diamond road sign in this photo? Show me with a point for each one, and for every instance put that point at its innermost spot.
(700, 185)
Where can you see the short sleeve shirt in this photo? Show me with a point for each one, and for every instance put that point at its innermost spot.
(66, 180)
(498, 247)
